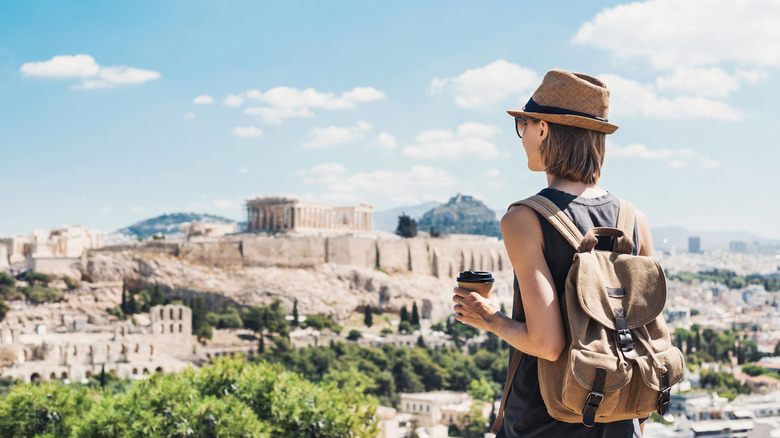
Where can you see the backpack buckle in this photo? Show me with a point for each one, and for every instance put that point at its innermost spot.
(594, 399)
(663, 405)
(626, 343)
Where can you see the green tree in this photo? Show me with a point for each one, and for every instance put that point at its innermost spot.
(480, 389)
(405, 327)
(294, 321)
(3, 309)
(354, 335)
(404, 314)
(37, 278)
(368, 316)
(474, 424)
(415, 316)
(204, 332)
(70, 283)
(407, 227)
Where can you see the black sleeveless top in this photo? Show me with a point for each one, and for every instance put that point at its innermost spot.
(525, 414)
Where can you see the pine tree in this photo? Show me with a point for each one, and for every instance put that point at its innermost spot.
(421, 342)
(261, 344)
(415, 316)
(132, 305)
(123, 304)
(407, 227)
(294, 321)
(368, 317)
(404, 314)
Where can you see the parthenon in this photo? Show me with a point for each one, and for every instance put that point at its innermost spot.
(284, 214)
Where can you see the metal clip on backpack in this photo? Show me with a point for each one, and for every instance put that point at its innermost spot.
(619, 362)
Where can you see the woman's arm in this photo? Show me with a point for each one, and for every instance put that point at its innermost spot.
(542, 333)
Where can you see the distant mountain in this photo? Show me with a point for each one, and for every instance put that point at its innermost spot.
(666, 238)
(462, 214)
(168, 224)
(387, 220)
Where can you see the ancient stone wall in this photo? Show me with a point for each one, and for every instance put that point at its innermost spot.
(440, 257)
(296, 252)
(212, 253)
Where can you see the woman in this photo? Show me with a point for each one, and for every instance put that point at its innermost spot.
(563, 129)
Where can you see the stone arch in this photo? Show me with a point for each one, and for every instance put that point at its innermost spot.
(146, 371)
(35, 378)
(135, 371)
(162, 313)
(158, 370)
(64, 375)
(180, 328)
(500, 263)
(171, 329)
(88, 374)
(170, 313)
(181, 313)
(52, 376)
(162, 328)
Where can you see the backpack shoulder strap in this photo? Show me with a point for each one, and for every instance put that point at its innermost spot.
(625, 223)
(556, 217)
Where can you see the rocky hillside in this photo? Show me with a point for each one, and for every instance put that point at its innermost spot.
(331, 289)
(168, 224)
(462, 214)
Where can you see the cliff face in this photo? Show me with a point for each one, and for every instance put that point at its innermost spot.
(335, 275)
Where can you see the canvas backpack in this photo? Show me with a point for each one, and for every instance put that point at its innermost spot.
(619, 362)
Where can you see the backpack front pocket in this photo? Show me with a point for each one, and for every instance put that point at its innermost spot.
(579, 388)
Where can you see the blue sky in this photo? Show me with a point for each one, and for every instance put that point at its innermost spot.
(112, 112)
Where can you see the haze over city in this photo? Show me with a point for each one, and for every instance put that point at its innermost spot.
(116, 112)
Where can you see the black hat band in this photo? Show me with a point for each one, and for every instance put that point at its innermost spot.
(533, 107)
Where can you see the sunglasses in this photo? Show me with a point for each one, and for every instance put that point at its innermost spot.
(520, 125)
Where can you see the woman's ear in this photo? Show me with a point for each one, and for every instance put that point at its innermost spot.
(544, 130)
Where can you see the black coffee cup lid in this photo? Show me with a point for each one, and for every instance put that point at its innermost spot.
(476, 277)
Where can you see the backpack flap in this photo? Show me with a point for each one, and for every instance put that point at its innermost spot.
(607, 282)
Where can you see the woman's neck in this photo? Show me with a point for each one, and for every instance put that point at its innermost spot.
(575, 188)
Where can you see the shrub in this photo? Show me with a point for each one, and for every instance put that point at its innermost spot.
(354, 335)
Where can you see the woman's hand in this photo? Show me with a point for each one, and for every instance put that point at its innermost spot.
(473, 309)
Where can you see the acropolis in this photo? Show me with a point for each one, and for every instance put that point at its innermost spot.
(283, 214)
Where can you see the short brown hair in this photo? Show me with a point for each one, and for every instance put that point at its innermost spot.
(573, 153)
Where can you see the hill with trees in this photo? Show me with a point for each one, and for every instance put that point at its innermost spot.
(462, 214)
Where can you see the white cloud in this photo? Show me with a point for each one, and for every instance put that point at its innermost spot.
(492, 173)
(105, 210)
(274, 116)
(641, 151)
(189, 116)
(629, 98)
(483, 87)
(691, 33)
(419, 184)
(285, 102)
(243, 170)
(469, 140)
(138, 209)
(707, 82)
(233, 100)
(247, 132)
(333, 135)
(385, 141)
(110, 77)
(203, 99)
(676, 158)
(62, 66)
(85, 67)
(328, 168)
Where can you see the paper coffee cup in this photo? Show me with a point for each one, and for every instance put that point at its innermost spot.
(478, 281)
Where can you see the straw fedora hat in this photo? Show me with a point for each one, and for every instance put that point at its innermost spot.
(572, 99)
